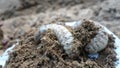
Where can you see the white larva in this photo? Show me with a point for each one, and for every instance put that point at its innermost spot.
(98, 43)
(63, 35)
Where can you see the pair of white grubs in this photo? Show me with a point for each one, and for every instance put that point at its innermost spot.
(89, 47)
(65, 37)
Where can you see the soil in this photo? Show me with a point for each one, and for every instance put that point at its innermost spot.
(1, 34)
(1, 38)
(50, 54)
(24, 22)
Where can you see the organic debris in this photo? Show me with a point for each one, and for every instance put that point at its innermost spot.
(50, 54)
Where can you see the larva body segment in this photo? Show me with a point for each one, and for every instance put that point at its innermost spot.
(63, 35)
(98, 43)
(74, 25)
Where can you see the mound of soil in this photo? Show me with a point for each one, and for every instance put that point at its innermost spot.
(50, 54)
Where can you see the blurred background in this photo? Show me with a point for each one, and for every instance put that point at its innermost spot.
(23, 15)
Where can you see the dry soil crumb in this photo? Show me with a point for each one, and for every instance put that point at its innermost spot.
(50, 54)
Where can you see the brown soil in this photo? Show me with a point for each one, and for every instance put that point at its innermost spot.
(1, 34)
(1, 38)
(50, 54)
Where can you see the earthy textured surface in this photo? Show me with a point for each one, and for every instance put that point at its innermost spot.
(50, 53)
(23, 24)
(1, 38)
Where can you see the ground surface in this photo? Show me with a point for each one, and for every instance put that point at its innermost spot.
(50, 53)
(18, 23)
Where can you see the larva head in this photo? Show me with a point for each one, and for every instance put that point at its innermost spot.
(90, 49)
(73, 53)
(76, 48)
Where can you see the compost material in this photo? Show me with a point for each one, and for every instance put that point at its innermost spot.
(50, 54)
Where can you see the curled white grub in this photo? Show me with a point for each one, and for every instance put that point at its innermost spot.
(98, 43)
(63, 35)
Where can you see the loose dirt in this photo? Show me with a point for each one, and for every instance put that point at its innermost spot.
(50, 53)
